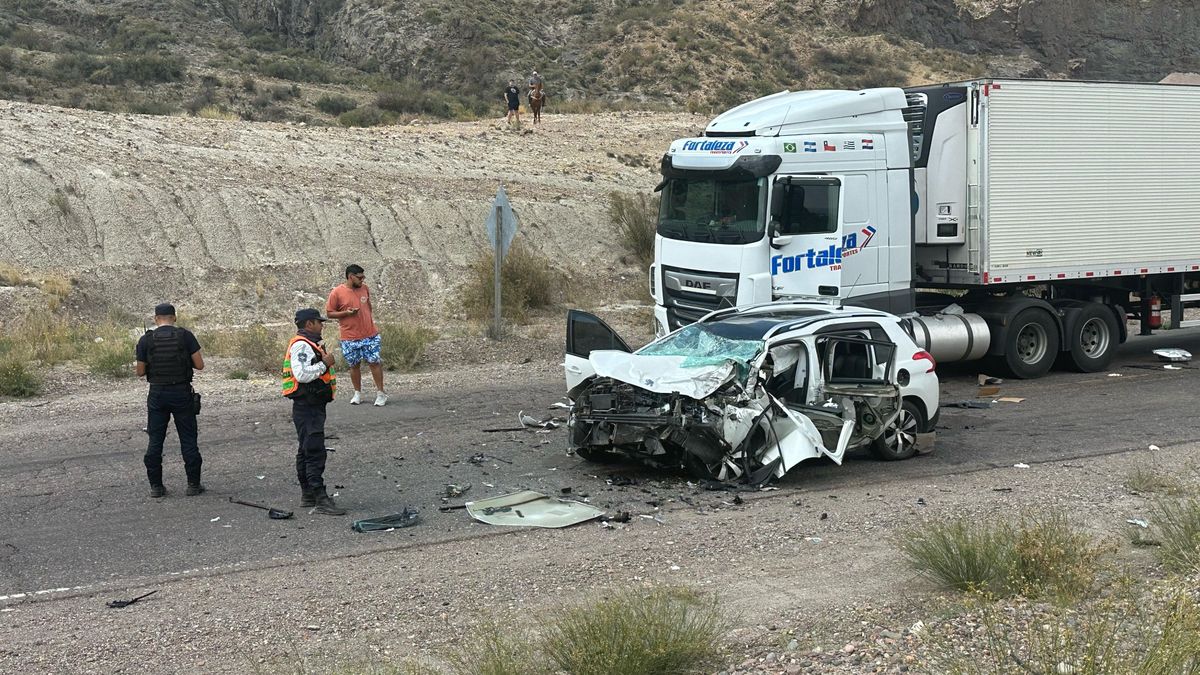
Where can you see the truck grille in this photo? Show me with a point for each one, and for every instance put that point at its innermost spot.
(690, 294)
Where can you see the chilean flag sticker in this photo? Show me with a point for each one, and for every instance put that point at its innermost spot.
(868, 144)
(830, 147)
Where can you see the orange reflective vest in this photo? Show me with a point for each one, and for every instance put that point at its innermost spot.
(290, 385)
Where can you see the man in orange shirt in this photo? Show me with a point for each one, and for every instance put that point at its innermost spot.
(350, 304)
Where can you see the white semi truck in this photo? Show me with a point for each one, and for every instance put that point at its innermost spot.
(1019, 220)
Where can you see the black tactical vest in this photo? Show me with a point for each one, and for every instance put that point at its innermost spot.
(169, 362)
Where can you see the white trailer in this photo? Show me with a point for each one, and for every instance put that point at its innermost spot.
(1018, 217)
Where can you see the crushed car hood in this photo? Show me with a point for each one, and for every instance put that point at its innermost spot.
(662, 374)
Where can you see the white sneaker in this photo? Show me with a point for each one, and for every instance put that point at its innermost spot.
(380, 398)
(356, 398)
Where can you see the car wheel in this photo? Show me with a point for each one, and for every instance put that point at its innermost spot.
(1093, 341)
(598, 456)
(899, 438)
(1031, 344)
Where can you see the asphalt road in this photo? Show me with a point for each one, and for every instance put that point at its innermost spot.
(75, 516)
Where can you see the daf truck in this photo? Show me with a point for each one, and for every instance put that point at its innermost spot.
(1018, 220)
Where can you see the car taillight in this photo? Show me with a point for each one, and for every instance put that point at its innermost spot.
(925, 356)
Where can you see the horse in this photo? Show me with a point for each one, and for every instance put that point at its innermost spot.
(537, 99)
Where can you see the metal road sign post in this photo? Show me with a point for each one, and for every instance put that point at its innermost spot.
(501, 228)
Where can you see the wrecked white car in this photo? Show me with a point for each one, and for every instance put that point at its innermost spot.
(748, 393)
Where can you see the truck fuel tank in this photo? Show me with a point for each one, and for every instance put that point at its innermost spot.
(952, 337)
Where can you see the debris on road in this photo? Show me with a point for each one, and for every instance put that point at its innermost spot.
(531, 509)
(968, 404)
(532, 423)
(1173, 354)
(988, 379)
(272, 513)
(118, 604)
(1138, 521)
(406, 518)
(1020, 465)
(213, 520)
(1010, 399)
(453, 490)
(1153, 448)
(985, 392)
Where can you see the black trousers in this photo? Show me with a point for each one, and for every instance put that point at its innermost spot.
(309, 419)
(163, 403)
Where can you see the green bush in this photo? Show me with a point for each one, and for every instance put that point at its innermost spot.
(528, 281)
(412, 98)
(334, 104)
(140, 36)
(366, 116)
(112, 358)
(16, 379)
(297, 70)
(239, 374)
(635, 217)
(403, 345)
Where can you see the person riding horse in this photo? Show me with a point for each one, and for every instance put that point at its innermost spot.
(536, 96)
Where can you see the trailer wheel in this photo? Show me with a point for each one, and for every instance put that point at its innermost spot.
(899, 439)
(1031, 344)
(1093, 341)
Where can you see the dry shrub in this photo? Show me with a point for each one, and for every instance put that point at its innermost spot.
(635, 218)
(112, 358)
(212, 112)
(1144, 479)
(403, 345)
(528, 282)
(260, 349)
(1041, 556)
(1178, 526)
(16, 378)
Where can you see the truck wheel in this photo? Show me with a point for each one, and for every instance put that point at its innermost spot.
(899, 439)
(1093, 341)
(1031, 345)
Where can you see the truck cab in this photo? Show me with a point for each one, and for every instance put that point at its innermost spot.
(800, 195)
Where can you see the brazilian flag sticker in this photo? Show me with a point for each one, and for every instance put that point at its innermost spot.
(789, 147)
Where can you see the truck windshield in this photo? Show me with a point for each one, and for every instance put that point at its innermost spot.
(716, 211)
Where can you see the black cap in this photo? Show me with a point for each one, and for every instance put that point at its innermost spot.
(308, 314)
(164, 309)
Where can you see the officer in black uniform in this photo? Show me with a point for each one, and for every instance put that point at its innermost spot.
(166, 357)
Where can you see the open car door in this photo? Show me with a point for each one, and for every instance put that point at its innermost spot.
(586, 333)
(859, 377)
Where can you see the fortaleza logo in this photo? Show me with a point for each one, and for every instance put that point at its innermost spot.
(829, 257)
(716, 147)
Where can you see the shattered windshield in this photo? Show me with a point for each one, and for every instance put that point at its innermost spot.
(702, 347)
(716, 211)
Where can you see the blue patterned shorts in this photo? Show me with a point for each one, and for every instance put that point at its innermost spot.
(357, 351)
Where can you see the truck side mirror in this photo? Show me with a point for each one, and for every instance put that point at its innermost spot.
(777, 194)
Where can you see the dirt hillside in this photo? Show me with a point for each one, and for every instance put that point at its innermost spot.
(242, 220)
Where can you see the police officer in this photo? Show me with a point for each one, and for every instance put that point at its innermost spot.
(166, 357)
(309, 381)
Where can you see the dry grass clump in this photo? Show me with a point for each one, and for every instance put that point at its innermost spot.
(1178, 526)
(1144, 479)
(528, 280)
(403, 345)
(635, 218)
(1041, 556)
(666, 631)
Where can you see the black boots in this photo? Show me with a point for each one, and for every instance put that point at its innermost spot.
(326, 505)
(194, 489)
(308, 498)
(157, 490)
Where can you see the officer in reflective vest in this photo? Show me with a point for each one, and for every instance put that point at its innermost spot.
(309, 381)
(166, 357)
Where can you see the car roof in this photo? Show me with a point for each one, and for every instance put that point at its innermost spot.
(756, 322)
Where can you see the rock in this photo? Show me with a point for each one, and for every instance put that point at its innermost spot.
(793, 645)
(849, 648)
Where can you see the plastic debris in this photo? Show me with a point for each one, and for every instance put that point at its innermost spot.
(988, 379)
(1153, 448)
(215, 519)
(531, 509)
(1010, 399)
(1173, 354)
(815, 540)
(531, 422)
(453, 490)
(1138, 521)
(1020, 465)
(1171, 367)
(968, 404)
(118, 604)
(1114, 375)
(406, 518)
